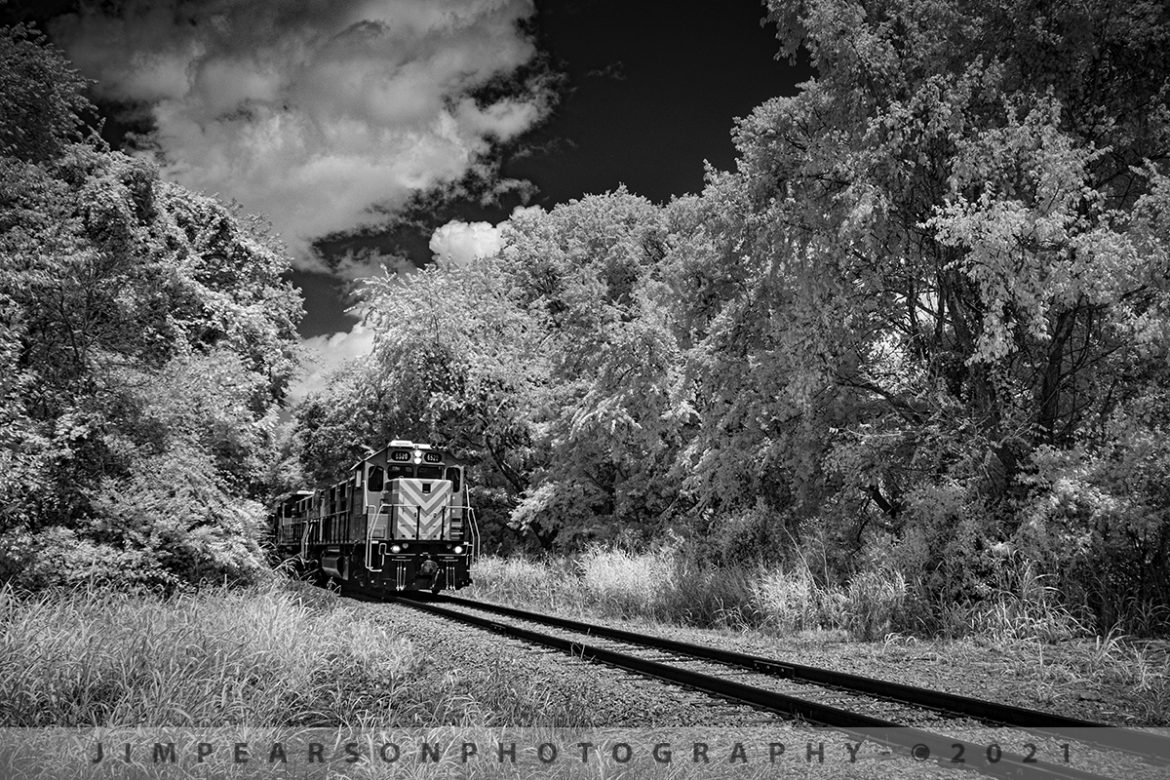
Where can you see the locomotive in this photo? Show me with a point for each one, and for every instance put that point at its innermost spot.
(401, 521)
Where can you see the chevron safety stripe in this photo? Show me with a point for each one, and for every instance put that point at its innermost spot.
(420, 509)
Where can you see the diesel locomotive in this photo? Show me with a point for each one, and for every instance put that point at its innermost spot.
(400, 521)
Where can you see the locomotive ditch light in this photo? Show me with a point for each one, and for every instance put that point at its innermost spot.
(394, 548)
(458, 549)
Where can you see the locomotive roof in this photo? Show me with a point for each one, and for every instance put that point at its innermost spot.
(394, 444)
(298, 494)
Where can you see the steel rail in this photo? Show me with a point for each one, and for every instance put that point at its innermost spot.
(1139, 743)
(920, 744)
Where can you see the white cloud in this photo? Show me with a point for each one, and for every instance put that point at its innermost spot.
(312, 112)
(459, 243)
(322, 355)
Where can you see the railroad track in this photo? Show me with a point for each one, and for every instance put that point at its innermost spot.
(919, 743)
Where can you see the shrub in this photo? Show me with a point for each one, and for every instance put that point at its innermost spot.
(519, 580)
(875, 604)
(1025, 607)
(1098, 524)
(621, 582)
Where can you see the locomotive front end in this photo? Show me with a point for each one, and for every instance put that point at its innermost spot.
(423, 537)
(401, 522)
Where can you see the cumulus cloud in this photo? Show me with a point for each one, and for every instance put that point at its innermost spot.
(322, 355)
(459, 243)
(313, 112)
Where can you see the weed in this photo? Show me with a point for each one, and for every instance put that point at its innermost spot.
(1030, 609)
(669, 586)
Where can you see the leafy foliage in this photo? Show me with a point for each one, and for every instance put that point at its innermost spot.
(552, 366)
(145, 337)
(585, 272)
(921, 329)
(41, 98)
(931, 265)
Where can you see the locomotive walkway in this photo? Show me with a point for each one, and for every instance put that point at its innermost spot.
(920, 743)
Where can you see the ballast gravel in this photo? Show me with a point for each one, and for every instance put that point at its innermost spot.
(984, 741)
(1056, 678)
(493, 682)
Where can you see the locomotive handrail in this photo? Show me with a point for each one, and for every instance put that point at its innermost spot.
(474, 525)
(469, 513)
(370, 540)
(305, 539)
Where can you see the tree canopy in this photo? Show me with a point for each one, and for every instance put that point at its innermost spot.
(146, 336)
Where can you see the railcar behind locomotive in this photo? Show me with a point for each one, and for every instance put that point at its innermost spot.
(400, 521)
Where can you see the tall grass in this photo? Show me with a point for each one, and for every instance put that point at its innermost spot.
(622, 582)
(520, 581)
(276, 656)
(93, 657)
(1028, 609)
(1024, 615)
(668, 586)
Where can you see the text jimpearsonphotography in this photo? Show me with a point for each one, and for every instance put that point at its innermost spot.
(464, 752)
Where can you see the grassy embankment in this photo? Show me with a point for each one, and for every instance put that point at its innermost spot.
(1023, 626)
(283, 654)
(286, 656)
(279, 662)
(667, 587)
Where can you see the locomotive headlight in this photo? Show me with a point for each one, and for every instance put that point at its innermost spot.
(394, 548)
(458, 549)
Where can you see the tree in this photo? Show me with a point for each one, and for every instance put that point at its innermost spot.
(553, 366)
(586, 271)
(146, 331)
(454, 364)
(928, 264)
(42, 98)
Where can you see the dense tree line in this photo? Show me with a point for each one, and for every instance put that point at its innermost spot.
(146, 338)
(924, 324)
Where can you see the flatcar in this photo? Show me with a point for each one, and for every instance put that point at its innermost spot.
(401, 521)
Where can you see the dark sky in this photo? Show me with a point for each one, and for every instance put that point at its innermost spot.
(687, 70)
(648, 90)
